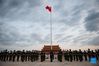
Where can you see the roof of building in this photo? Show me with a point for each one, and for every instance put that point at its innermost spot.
(48, 47)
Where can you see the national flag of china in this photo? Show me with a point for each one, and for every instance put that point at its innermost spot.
(49, 8)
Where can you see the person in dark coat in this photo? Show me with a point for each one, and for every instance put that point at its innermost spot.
(23, 55)
(42, 56)
(70, 56)
(51, 56)
(14, 55)
(96, 53)
(89, 54)
(85, 55)
(80, 55)
(66, 55)
(74, 55)
(18, 55)
(10, 56)
(60, 56)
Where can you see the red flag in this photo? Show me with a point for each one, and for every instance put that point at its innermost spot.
(48, 8)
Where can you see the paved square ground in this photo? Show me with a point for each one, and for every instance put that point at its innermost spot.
(47, 63)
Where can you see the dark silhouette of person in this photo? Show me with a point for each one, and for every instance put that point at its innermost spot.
(22, 55)
(13, 55)
(51, 56)
(42, 56)
(85, 55)
(77, 55)
(10, 56)
(89, 54)
(60, 56)
(32, 56)
(80, 55)
(18, 55)
(97, 56)
(66, 55)
(74, 55)
(70, 56)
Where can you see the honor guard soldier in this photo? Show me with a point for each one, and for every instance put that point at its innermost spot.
(60, 56)
(89, 54)
(80, 55)
(10, 56)
(85, 55)
(22, 55)
(14, 55)
(18, 55)
(51, 56)
(70, 56)
(42, 56)
(66, 55)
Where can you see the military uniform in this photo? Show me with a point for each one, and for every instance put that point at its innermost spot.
(42, 56)
(70, 56)
(60, 56)
(80, 55)
(66, 55)
(51, 56)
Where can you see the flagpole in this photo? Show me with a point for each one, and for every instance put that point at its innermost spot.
(51, 38)
(49, 8)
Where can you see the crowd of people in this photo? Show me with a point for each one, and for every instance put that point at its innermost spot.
(19, 55)
(80, 55)
(34, 55)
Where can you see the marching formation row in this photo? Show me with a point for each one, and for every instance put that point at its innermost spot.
(81, 55)
(68, 55)
(19, 55)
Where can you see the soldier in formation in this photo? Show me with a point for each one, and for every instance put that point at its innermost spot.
(80, 55)
(60, 56)
(42, 56)
(69, 55)
(19, 55)
(51, 56)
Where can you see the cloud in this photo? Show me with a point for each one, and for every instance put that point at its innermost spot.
(94, 41)
(69, 13)
(97, 1)
(10, 34)
(25, 23)
(92, 21)
(8, 7)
